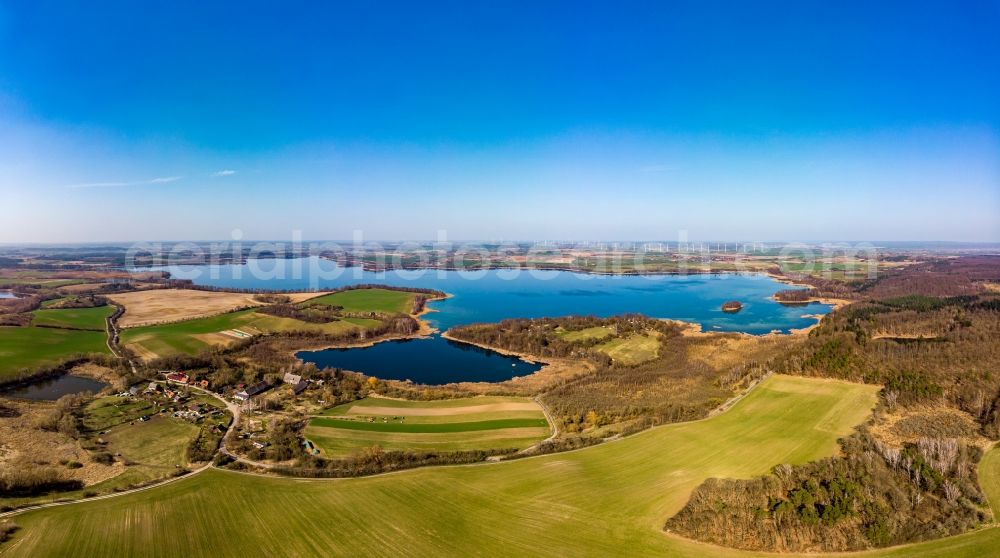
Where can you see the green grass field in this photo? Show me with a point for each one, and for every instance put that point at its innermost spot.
(74, 318)
(475, 423)
(632, 350)
(33, 347)
(158, 444)
(106, 412)
(611, 499)
(597, 332)
(369, 300)
(192, 336)
(423, 428)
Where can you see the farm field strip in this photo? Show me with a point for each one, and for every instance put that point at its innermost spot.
(453, 406)
(378, 426)
(610, 499)
(348, 441)
(469, 416)
(445, 425)
(412, 412)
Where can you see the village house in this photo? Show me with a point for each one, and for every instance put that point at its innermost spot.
(292, 378)
(178, 378)
(300, 387)
(256, 389)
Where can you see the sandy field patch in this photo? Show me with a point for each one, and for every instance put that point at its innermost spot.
(213, 338)
(443, 411)
(174, 305)
(143, 353)
(302, 297)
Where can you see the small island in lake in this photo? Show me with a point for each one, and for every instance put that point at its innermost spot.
(732, 306)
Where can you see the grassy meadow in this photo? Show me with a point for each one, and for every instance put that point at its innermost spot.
(586, 334)
(611, 499)
(157, 446)
(475, 423)
(192, 336)
(369, 300)
(28, 348)
(74, 318)
(633, 349)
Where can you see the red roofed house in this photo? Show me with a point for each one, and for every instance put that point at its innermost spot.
(177, 378)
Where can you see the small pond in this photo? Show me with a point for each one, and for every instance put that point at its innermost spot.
(51, 389)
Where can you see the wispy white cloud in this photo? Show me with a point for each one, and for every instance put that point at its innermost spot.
(157, 180)
(225, 172)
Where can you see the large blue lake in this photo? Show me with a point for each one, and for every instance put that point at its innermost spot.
(491, 296)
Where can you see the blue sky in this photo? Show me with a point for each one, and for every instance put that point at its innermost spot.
(793, 120)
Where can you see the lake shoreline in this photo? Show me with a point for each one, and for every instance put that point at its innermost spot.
(369, 269)
(425, 331)
(530, 359)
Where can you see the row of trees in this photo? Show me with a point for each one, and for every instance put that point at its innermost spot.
(375, 460)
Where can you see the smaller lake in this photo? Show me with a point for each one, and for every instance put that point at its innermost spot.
(433, 361)
(7, 294)
(53, 388)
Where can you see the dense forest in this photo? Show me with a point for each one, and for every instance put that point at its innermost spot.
(871, 495)
(928, 333)
(938, 277)
(923, 349)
